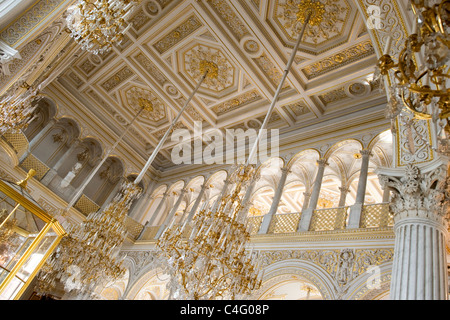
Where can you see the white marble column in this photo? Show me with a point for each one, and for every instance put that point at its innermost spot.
(154, 214)
(216, 204)
(306, 198)
(246, 203)
(420, 206)
(354, 218)
(275, 202)
(37, 138)
(306, 216)
(170, 217)
(158, 209)
(343, 196)
(53, 171)
(197, 202)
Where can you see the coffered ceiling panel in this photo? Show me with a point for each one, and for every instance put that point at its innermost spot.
(250, 42)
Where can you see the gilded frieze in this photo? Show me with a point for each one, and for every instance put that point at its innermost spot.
(343, 265)
(236, 102)
(29, 20)
(186, 28)
(122, 75)
(339, 60)
(270, 70)
(229, 16)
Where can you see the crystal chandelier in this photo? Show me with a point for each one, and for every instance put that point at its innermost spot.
(213, 262)
(97, 24)
(88, 256)
(15, 112)
(421, 73)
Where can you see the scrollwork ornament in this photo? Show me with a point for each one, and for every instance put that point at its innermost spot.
(419, 195)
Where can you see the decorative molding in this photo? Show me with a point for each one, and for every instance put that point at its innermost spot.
(237, 102)
(338, 60)
(343, 265)
(186, 28)
(120, 76)
(28, 21)
(236, 26)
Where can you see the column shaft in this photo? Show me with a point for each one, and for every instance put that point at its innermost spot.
(275, 202)
(306, 216)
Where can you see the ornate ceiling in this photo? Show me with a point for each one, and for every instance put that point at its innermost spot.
(251, 42)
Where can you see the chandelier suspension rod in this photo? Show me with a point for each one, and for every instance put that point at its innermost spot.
(92, 174)
(164, 138)
(277, 93)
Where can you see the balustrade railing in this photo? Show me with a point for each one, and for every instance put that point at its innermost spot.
(31, 162)
(255, 224)
(134, 228)
(284, 223)
(372, 216)
(329, 219)
(86, 205)
(18, 141)
(376, 216)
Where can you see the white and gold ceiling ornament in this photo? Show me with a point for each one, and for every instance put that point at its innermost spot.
(16, 111)
(213, 261)
(200, 58)
(98, 24)
(323, 24)
(418, 89)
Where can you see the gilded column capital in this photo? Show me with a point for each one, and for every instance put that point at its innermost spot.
(366, 152)
(344, 189)
(419, 195)
(322, 162)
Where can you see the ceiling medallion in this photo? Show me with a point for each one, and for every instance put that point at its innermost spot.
(220, 71)
(145, 104)
(315, 9)
(323, 24)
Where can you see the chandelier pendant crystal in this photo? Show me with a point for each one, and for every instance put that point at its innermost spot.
(88, 257)
(16, 111)
(98, 24)
(420, 76)
(213, 261)
(208, 257)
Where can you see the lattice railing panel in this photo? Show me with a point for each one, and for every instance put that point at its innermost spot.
(31, 162)
(255, 224)
(18, 141)
(376, 216)
(150, 233)
(329, 219)
(86, 205)
(134, 228)
(284, 223)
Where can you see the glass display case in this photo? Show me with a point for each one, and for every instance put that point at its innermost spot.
(28, 235)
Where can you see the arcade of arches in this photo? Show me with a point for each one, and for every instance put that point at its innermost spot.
(323, 212)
